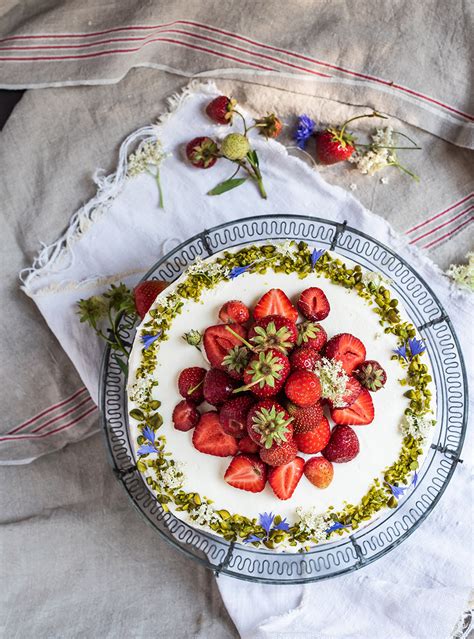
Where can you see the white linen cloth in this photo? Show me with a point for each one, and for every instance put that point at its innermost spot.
(416, 591)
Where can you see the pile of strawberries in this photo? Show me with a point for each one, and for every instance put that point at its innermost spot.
(264, 386)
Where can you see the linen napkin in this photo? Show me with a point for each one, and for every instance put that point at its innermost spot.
(420, 588)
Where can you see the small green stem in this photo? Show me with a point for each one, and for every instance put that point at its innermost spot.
(374, 114)
(256, 176)
(406, 136)
(191, 390)
(239, 337)
(405, 170)
(160, 190)
(247, 386)
(243, 120)
(378, 146)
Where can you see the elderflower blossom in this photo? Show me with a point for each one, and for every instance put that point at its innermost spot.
(375, 278)
(463, 274)
(171, 478)
(211, 270)
(204, 514)
(140, 391)
(148, 153)
(376, 158)
(418, 426)
(285, 249)
(312, 522)
(333, 380)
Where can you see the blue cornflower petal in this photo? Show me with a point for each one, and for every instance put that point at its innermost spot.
(315, 255)
(304, 131)
(336, 526)
(145, 449)
(416, 346)
(239, 270)
(283, 525)
(149, 434)
(414, 481)
(266, 521)
(401, 351)
(397, 491)
(149, 339)
(251, 538)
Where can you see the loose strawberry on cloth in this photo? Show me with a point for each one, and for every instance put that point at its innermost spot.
(126, 237)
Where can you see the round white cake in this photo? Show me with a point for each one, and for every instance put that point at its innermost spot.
(391, 448)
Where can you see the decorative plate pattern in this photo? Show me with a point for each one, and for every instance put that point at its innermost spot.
(392, 527)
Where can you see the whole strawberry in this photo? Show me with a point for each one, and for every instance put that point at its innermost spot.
(304, 358)
(269, 423)
(319, 471)
(234, 311)
(305, 419)
(303, 388)
(145, 294)
(235, 146)
(185, 415)
(233, 415)
(266, 373)
(333, 145)
(279, 454)
(236, 361)
(371, 375)
(190, 383)
(218, 386)
(221, 109)
(269, 125)
(314, 440)
(343, 445)
(311, 334)
(202, 152)
(273, 331)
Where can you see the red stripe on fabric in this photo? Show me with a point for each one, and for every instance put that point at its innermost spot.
(51, 432)
(46, 411)
(255, 43)
(435, 217)
(446, 235)
(55, 419)
(114, 51)
(178, 31)
(440, 226)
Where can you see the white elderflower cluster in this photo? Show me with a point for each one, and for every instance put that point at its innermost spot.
(168, 302)
(375, 278)
(171, 478)
(140, 391)
(285, 249)
(333, 380)
(148, 153)
(204, 514)
(376, 157)
(312, 522)
(418, 426)
(212, 269)
(463, 274)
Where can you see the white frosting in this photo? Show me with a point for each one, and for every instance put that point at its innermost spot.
(380, 442)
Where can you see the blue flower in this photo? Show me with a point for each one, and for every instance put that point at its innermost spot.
(304, 131)
(414, 481)
(149, 434)
(149, 339)
(315, 255)
(145, 449)
(397, 491)
(416, 346)
(266, 521)
(239, 270)
(283, 525)
(251, 538)
(336, 526)
(401, 351)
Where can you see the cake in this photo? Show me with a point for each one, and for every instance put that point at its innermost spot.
(279, 396)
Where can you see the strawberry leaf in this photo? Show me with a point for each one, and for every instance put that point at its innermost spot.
(227, 185)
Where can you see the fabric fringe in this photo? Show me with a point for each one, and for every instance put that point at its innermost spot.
(59, 256)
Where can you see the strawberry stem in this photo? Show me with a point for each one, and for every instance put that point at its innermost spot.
(374, 114)
(239, 337)
(247, 386)
(194, 388)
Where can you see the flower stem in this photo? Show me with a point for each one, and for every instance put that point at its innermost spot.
(160, 190)
(243, 120)
(378, 146)
(374, 114)
(239, 337)
(405, 170)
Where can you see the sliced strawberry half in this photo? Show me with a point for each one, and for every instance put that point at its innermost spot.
(218, 341)
(145, 294)
(314, 304)
(247, 472)
(275, 302)
(347, 349)
(210, 438)
(352, 392)
(360, 413)
(284, 479)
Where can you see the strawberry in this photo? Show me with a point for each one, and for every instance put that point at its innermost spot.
(236, 360)
(352, 392)
(269, 125)
(284, 479)
(343, 445)
(360, 413)
(233, 415)
(210, 438)
(275, 302)
(303, 388)
(347, 349)
(279, 454)
(313, 304)
(218, 386)
(218, 341)
(247, 445)
(273, 331)
(311, 334)
(319, 471)
(333, 145)
(221, 109)
(305, 419)
(314, 440)
(190, 383)
(371, 375)
(145, 294)
(234, 311)
(247, 472)
(185, 415)
(202, 152)
(269, 423)
(266, 373)
(304, 358)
